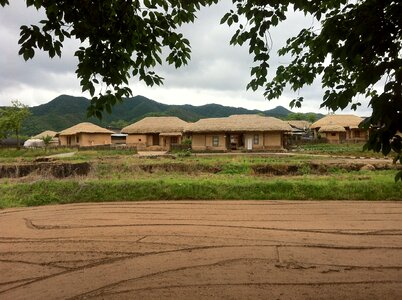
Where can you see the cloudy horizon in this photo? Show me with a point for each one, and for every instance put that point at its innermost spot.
(217, 73)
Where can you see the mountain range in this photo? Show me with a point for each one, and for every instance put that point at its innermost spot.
(65, 111)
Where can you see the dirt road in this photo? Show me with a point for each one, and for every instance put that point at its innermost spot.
(203, 250)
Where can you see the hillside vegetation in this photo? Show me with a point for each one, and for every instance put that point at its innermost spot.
(65, 111)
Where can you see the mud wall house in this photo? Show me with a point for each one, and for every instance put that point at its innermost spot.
(238, 132)
(155, 133)
(85, 135)
(340, 128)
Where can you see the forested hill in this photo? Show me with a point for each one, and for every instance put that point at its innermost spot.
(65, 111)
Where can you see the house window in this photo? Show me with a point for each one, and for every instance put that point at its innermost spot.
(256, 139)
(215, 141)
(173, 140)
(333, 134)
(357, 134)
(77, 139)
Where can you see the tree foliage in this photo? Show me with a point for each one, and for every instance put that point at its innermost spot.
(11, 119)
(120, 39)
(46, 141)
(355, 52)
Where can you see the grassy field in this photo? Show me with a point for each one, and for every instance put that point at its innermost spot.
(118, 175)
(28, 155)
(355, 150)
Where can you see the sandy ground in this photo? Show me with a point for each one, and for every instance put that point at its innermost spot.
(203, 250)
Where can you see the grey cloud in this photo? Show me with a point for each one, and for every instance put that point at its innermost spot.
(217, 71)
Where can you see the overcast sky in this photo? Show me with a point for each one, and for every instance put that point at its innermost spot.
(217, 72)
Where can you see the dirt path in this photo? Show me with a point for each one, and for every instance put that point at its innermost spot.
(203, 250)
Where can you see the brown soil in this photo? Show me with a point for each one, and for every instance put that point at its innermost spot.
(203, 250)
(58, 170)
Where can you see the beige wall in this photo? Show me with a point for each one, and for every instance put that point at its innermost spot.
(332, 137)
(267, 140)
(145, 142)
(198, 142)
(202, 142)
(94, 139)
(86, 139)
(358, 134)
(273, 140)
(138, 140)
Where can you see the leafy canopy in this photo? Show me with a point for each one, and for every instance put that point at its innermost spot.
(12, 118)
(355, 53)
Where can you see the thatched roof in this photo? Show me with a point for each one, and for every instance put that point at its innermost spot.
(85, 127)
(236, 123)
(350, 121)
(300, 124)
(156, 125)
(45, 133)
(332, 128)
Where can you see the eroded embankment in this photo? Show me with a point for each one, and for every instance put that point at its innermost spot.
(54, 169)
(64, 170)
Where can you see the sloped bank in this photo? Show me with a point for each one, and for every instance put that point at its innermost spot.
(53, 169)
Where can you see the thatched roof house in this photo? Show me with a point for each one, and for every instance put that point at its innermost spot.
(85, 134)
(37, 140)
(156, 125)
(350, 121)
(249, 132)
(44, 134)
(339, 128)
(155, 133)
(239, 123)
(332, 128)
(84, 127)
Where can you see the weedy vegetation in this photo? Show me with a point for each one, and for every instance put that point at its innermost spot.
(120, 175)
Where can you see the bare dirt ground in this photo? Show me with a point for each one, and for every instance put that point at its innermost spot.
(203, 250)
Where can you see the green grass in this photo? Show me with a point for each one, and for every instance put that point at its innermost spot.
(117, 175)
(23, 154)
(11, 154)
(338, 149)
(348, 186)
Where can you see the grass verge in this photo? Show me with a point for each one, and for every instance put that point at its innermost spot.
(378, 187)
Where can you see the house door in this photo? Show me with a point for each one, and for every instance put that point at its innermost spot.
(155, 140)
(249, 143)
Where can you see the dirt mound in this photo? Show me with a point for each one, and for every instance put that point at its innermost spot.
(58, 170)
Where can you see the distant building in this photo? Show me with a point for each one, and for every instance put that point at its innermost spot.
(300, 129)
(340, 128)
(238, 132)
(84, 135)
(155, 133)
(37, 140)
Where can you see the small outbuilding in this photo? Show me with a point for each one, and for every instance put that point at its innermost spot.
(340, 128)
(37, 140)
(238, 132)
(155, 133)
(85, 135)
(300, 129)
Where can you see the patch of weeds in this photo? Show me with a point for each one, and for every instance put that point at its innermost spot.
(235, 169)
(335, 170)
(305, 169)
(183, 153)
